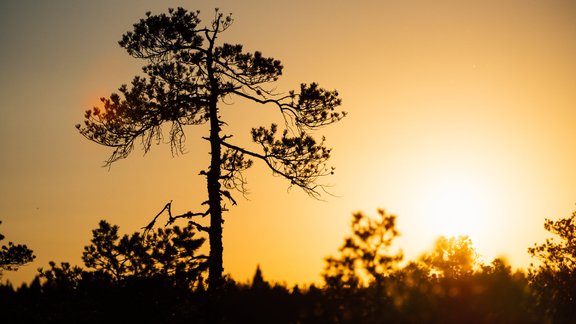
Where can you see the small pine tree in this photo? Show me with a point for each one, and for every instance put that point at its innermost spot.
(258, 281)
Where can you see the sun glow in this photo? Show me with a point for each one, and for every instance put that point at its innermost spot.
(456, 210)
(458, 204)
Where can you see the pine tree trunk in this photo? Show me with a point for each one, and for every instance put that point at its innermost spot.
(215, 267)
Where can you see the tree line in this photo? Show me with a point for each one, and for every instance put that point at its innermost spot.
(160, 275)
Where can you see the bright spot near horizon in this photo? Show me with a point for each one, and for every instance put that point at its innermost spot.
(456, 211)
(458, 204)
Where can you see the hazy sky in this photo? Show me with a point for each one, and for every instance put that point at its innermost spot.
(460, 121)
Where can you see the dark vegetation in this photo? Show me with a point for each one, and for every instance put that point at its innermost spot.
(160, 277)
(14, 255)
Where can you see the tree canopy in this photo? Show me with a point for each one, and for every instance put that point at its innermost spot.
(555, 275)
(13, 255)
(167, 252)
(365, 256)
(453, 257)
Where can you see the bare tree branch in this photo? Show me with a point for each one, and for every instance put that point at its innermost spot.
(172, 219)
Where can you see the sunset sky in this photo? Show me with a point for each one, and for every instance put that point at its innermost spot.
(462, 119)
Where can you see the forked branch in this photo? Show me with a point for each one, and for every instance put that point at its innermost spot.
(171, 218)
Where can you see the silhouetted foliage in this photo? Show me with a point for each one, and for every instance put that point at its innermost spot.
(453, 257)
(13, 255)
(554, 278)
(491, 295)
(356, 277)
(447, 285)
(166, 252)
(65, 277)
(189, 76)
(154, 276)
(364, 257)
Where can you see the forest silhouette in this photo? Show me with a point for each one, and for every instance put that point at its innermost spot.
(162, 275)
(159, 277)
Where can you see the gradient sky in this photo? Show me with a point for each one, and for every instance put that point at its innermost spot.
(461, 121)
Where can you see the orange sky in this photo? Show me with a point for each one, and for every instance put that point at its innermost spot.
(460, 121)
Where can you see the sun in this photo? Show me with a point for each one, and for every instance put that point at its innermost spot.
(457, 203)
(456, 210)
